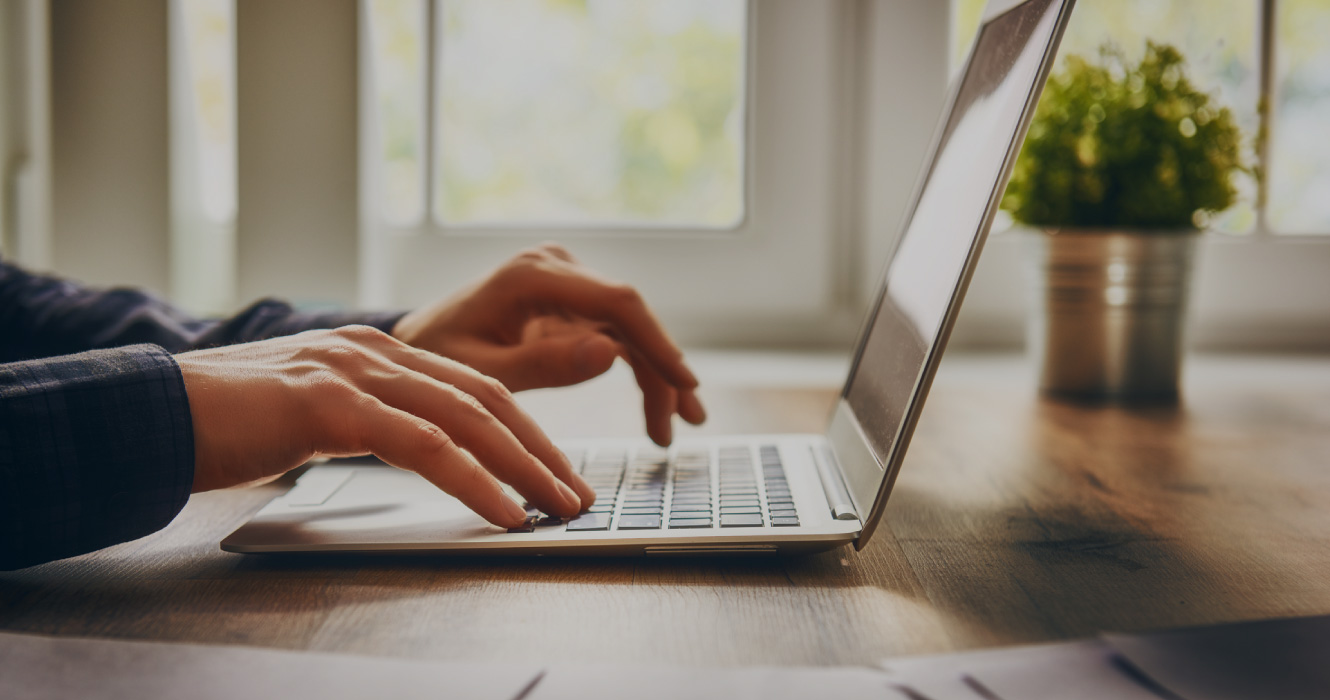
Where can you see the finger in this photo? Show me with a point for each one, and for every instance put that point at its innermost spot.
(658, 401)
(575, 289)
(690, 407)
(498, 401)
(554, 361)
(412, 443)
(558, 251)
(480, 432)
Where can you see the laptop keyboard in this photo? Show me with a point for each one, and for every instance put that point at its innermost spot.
(691, 488)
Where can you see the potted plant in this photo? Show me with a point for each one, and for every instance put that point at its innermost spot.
(1123, 167)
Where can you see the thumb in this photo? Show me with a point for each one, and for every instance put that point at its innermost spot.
(560, 360)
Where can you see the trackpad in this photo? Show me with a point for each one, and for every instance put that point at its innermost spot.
(341, 506)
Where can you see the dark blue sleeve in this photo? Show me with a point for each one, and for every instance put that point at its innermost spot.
(44, 316)
(95, 449)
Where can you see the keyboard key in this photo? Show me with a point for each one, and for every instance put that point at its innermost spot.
(589, 521)
(642, 510)
(741, 520)
(739, 502)
(784, 522)
(639, 522)
(783, 513)
(699, 507)
(601, 507)
(750, 510)
(685, 523)
(548, 520)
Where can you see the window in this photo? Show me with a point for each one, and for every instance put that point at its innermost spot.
(203, 196)
(612, 113)
(1223, 43)
(208, 60)
(1258, 285)
(398, 44)
(692, 147)
(1299, 165)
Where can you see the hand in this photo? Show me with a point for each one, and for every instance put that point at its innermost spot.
(261, 409)
(544, 320)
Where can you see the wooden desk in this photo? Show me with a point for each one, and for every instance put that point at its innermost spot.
(1015, 520)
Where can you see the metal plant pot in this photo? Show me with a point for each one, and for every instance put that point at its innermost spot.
(1108, 313)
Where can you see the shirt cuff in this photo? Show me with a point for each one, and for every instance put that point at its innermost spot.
(95, 449)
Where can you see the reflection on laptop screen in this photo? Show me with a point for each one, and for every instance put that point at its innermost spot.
(930, 259)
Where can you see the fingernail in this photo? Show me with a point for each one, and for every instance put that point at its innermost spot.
(516, 515)
(697, 414)
(584, 490)
(570, 497)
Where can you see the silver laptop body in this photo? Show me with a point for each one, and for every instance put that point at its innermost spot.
(757, 493)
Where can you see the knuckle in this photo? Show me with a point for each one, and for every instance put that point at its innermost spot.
(624, 296)
(532, 255)
(433, 441)
(493, 390)
(361, 334)
(472, 404)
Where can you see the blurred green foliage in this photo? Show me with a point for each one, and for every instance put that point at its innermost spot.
(1116, 145)
(572, 112)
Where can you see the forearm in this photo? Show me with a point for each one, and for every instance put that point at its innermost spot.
(95, 449)
(43, 316)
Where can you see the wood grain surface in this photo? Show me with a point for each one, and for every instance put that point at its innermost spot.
(1016, 519)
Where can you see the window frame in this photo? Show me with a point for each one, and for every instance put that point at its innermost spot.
(815, 298)
(1259, 291)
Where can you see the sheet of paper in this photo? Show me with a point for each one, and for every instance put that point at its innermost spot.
(47, 668)
(1082, 669)
(1286, 659)
(753, 683)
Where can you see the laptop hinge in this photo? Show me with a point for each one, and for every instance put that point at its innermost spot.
(838, 498)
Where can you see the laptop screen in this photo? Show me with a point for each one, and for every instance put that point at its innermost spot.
(927, 272)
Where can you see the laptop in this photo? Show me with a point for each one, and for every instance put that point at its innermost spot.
(756, 493)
